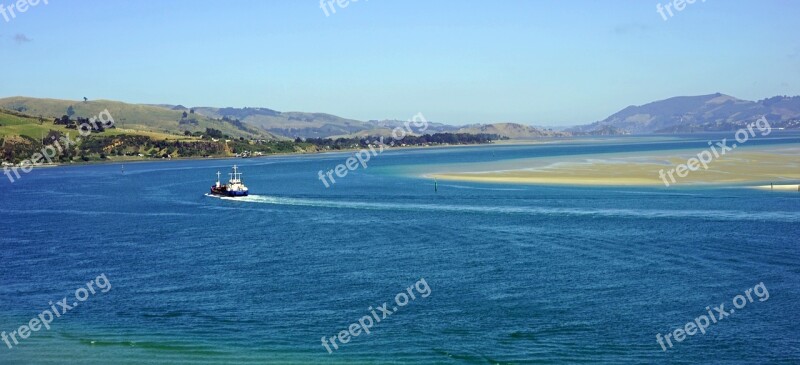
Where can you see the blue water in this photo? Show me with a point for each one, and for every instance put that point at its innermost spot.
(517, 274)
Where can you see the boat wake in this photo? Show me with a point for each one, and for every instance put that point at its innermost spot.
(710, 215)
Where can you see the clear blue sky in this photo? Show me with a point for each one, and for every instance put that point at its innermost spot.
(534, 62)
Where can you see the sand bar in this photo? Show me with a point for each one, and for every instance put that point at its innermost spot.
(757, 167)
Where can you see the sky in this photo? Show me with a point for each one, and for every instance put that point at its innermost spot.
(533, 62)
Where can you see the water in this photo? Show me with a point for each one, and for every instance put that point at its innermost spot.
(517, 274)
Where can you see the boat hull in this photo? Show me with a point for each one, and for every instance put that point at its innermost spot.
(225, 192)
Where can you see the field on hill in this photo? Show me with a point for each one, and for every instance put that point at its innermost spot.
(132, 117)
(21, 136)
(16, 124)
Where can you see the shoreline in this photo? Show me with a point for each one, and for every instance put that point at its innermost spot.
(601, 170)
(776, 187)
(610, 182)
(290, 154)
(544, 180)
(512, 142)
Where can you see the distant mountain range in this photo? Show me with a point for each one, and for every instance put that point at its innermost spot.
(311, 125)
(512, 130)
(686, 114)
(705, 113)
(292, 124)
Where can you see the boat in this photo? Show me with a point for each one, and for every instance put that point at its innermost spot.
(233, 188)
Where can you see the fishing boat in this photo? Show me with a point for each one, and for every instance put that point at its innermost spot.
(233, 188)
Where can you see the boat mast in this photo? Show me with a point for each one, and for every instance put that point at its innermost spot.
(236, 176)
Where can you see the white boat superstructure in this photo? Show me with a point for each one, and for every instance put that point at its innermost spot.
(234, 187)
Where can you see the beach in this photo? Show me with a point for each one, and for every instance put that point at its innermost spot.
(757, 166)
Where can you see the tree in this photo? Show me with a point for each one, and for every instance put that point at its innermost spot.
(184, 115)
(187, 133)
(213, 133)
(70, 111)
(191, 111)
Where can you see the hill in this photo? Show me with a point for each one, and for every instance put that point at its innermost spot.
(704, 113)
(161, 121)
(288, 124)
(18, 124)
(312, 125)
(386, 127)
(134, 117)
(512, 130)
(433, 127)
(24, 136)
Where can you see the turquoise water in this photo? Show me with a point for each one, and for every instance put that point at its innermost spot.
(517, 274)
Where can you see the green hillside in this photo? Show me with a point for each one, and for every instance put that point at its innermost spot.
(140, 132)
(131, 117)
(14, 124)
(290, 124)
(512, 130)
(23, 136)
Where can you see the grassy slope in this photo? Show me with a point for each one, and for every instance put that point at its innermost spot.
(15, 124)
(15, 149)
(141, 118)
(292, 123)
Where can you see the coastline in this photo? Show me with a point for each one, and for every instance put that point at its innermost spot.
(532, 180)
(608, 182)
(776, 187)
(285, 154)
(754, 169)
